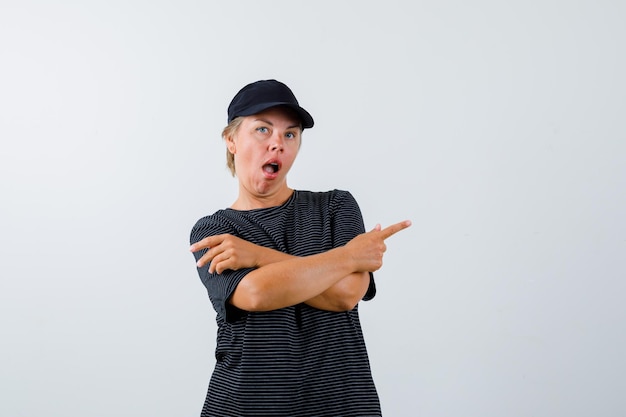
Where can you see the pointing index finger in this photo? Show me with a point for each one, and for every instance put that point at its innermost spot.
(395, 228)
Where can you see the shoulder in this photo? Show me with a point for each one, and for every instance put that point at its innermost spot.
(216, 223)
(330, 197)
(332, 202)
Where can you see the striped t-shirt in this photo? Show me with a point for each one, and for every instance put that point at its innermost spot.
(296, 361)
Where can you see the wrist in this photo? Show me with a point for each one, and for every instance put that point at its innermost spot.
(344, 260)
(268, 256)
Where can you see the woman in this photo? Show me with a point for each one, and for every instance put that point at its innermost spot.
(285, 270)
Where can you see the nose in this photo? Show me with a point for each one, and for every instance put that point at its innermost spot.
(276, 143)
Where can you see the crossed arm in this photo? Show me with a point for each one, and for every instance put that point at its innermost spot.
(334, 280)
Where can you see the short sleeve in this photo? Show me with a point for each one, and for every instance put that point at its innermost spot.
(220, 287)
(347, 223)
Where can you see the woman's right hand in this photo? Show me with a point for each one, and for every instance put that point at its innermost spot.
(367, 249)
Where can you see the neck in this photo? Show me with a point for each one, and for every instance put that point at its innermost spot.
(249, 201)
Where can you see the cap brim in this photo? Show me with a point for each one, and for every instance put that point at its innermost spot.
(305, 117)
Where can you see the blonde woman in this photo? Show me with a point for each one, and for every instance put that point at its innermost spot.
(285, 270)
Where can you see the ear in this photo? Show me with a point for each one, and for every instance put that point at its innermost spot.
(230, 144)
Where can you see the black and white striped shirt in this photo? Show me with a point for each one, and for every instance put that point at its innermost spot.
(296, 361)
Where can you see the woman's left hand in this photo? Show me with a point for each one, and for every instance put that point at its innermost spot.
(230, 252)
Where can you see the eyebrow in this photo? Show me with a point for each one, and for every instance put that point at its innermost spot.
(272, 124)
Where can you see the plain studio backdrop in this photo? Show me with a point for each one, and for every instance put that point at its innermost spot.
(498, 128)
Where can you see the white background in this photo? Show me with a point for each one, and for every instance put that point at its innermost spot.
(496, 127)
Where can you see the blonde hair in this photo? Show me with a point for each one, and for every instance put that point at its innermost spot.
(228, 132)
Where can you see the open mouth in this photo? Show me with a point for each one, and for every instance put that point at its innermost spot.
(271, 168)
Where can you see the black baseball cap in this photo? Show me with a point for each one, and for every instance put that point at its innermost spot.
(261, 95)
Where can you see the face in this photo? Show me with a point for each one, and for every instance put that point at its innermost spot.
(265, 147)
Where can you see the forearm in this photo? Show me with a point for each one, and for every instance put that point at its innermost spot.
(292, 280)
(342, 296)
(281, 280)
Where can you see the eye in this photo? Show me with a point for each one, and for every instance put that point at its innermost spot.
(290, 135)
(262, 129)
